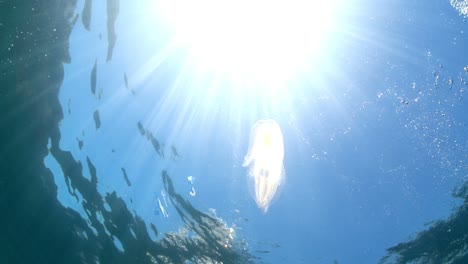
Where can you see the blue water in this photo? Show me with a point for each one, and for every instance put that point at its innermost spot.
(374, 126)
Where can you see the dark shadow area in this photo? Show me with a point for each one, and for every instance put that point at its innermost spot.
(446, 241)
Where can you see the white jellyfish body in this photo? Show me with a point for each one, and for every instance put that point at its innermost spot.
(265, 158)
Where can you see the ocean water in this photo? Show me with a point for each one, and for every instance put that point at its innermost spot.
(126, 128)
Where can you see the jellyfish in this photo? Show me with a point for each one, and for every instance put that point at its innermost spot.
(265, 158)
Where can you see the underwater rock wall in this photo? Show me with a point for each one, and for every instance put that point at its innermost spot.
(37, 228)
(445, 241)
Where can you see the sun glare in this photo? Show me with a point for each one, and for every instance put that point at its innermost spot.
(256, 37)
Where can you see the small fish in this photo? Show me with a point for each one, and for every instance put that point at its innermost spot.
(80, 143)
(97, 119)
(156, 145)
(141, 128)
(175, 154)
(126, 177)
(69, 103)
(93, 78)
(126, 80)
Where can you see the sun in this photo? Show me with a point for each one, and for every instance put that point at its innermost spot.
(256, 38)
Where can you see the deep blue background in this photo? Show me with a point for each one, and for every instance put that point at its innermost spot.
(375, 136)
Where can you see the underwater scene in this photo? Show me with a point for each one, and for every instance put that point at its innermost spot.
(220, 131)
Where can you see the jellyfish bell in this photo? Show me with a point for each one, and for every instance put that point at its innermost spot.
(265, 158)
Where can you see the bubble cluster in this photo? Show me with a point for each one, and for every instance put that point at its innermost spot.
(461, 6)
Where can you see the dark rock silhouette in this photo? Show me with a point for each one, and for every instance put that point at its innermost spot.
(445, 241)
(86, 14)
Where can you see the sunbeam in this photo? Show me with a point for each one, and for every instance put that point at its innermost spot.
(258, 40)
